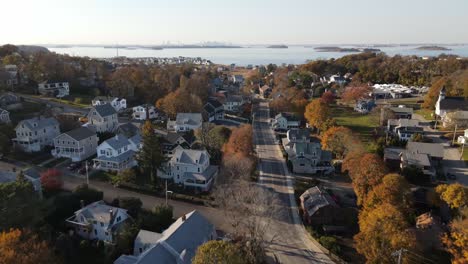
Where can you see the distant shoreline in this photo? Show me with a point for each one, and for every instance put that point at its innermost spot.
(432, 48)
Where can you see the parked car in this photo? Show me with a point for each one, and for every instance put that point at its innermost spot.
(82, 170)
(73, 166)
(451, 176)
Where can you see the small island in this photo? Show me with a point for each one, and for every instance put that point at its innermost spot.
(336, 49)
(277, 47)
(432, 48)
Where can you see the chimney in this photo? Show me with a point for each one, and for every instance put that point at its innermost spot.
(111, 213)
(184, 218)
(82, 203)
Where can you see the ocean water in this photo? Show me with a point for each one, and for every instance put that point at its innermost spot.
(254, 55)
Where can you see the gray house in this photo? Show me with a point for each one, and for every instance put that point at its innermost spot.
(104, 118)
(309, 158)
(176, 245)
(32, 135)
(78, 144)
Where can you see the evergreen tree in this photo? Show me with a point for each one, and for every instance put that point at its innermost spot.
(150, 157)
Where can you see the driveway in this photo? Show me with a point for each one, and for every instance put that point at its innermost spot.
(451, 163)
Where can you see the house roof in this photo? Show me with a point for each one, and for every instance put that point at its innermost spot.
(264, 88)
(298, 133)
(454, 103)
(234, 98)
(191, 156)
(404, 122)
(314, 199)
(128, 129)
(38, 123)
(288, 116)
(393, 153)
(433, 149)
(118, 141)
(101, 212)
(306, 147)
(189, 119)
(80, 133)
(105, 110)
(178, 243)
(33, 173)
(206, 175)
(147, 237)
(408, 110)
(416, 159)
(120, 158)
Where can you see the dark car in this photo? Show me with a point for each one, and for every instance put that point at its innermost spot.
(451, 176)
(73, 166)
(82, 170)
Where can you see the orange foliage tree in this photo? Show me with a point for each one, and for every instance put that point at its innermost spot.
(340, 140)
(318, 114)
(383, 230)
(17, 246)
(328, 97)
(368, 173)
(354, 93)
(240, 141)
(393, 190)
(179, 101)
(51, 180)
(456, 241)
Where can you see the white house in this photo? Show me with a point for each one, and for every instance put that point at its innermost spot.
(176, 245)
(265, 91)
(98, 221)
(404, 129)
(308, 157)
(117, 153)
(4, 116)
(139, 112)
(452, 110)
(117, 103)
(78, 144)
(185, 122)
(284, 121)
(57, 89)
(34, 134)
(104, 118)
(190, 168)
(233, 103)
(463, 139)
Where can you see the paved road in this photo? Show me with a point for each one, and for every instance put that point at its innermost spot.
(451, 162)
(293, 245)
(214, 215)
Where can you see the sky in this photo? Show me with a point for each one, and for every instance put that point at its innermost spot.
(149, 22)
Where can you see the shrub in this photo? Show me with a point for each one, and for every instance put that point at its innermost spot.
(330, 243)
(88, 195)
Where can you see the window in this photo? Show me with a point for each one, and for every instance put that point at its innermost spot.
(95, 232)
(102, 224)
(107, 233)
(140, 249)
(118, 219)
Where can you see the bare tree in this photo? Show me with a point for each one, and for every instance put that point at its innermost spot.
(249, 209)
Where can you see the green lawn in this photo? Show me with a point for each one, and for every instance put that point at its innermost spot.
(465, 154)
(426, 113)
(362, 124)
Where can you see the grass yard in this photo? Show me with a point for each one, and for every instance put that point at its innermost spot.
(362, 124)
(465, 154)
(426, 113)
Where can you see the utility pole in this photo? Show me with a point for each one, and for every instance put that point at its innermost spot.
(87, 175)
(399, 254)
(454, 134)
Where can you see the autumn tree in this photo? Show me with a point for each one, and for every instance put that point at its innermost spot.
(456, 240)
(354, 93)
(213, 138)
(51, 180)
(328, 97)
(367, 174)
(393, 190)
(150, 157)
(383, 230)
(318, 114)
(351, 160)
(179, 101)
(240, 141)
(218, 252)
(455, 195)
(18, 246)
(339, 140)
(432, 95)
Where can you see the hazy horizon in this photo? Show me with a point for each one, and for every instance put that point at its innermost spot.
(241, 22)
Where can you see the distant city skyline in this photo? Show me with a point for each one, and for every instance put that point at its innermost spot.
(241, 22)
